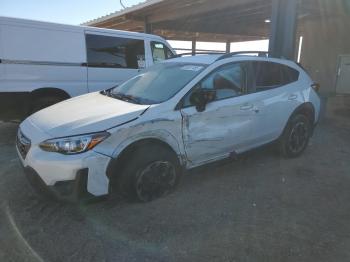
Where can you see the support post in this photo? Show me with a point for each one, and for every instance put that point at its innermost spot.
(194, 46)
(228, 46)
(283, 28)
(147, 26)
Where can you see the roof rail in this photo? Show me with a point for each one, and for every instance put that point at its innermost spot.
(200, 53)
(259, 53)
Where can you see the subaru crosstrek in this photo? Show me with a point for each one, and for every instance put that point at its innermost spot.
(137, 138)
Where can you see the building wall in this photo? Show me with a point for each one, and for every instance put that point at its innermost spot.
(324, 41)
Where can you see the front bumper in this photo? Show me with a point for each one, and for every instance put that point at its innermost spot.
(67, 177)
(62, 176)
(71, 191)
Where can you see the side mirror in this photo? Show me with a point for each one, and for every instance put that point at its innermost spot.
(201, 97)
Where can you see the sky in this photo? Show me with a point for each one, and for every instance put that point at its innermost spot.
(76, 12)
(72, 12)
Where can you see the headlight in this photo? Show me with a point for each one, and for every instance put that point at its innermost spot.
(74, 144)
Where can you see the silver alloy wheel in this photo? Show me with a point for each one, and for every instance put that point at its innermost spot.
(298, 137)
(155, 180)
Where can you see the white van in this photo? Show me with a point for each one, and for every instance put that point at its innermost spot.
(43, 63)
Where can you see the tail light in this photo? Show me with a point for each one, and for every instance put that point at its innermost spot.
(316, 87)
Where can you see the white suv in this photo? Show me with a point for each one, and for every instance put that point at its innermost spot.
(182, 113)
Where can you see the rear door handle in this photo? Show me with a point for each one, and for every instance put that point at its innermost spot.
(246, 107)
(292, 97)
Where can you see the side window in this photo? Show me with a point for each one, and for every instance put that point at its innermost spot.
(227, 82)
(115, 52)
(290, 74)
(269, 75)
(160, 52)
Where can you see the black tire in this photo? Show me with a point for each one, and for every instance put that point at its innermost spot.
(151, 172)
(43, 102)
(296, 136)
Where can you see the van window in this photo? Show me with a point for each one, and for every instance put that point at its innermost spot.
(115, 52)
(269, 75)
(160, 52)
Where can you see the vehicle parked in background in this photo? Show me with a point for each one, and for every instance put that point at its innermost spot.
(179, 114)
(43, 63)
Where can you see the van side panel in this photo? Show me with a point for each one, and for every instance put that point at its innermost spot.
(6, 99)
(28, 78)
(43, 43)
(39, 56)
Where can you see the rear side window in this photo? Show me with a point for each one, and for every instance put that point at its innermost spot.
(269, 75)
(115, 52)
(290, 74)
(160, 52)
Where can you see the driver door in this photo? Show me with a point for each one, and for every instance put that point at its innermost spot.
(225, 126)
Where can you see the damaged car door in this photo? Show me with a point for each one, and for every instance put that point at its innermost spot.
(218, 115)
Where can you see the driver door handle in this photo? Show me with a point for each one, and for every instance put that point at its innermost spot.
(246, 107)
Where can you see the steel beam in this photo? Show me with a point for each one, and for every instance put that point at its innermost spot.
(283, 29)
(147, 26)
(228, 46)
(194, 46)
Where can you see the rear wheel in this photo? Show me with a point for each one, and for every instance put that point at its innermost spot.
(151, 172)
(296, 136)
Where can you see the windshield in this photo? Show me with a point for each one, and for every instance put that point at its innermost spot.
(158, 83)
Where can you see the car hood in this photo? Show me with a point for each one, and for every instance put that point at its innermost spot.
(85, 114)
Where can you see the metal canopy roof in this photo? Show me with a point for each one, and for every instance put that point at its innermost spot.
(208, 20)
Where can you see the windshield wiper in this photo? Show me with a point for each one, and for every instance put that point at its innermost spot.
(124, 97)
(106, 92)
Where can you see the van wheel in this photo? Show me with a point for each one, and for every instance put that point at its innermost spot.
(296, 136)
(43, 102)
(152, 172)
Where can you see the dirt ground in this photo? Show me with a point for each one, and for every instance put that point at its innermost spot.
(259, 208)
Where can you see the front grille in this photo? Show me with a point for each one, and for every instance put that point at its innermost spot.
(23, 143)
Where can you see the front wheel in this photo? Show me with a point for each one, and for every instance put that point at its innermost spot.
(150, 173)
(296, 136)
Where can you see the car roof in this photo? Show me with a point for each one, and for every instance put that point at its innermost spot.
(197, 59)
(212, 58)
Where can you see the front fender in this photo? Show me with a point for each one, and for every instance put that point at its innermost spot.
(160, 134)
(167, 130)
